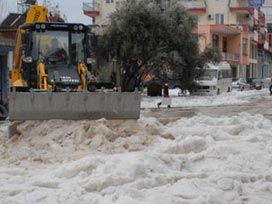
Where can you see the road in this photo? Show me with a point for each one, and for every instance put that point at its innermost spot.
(259, 104)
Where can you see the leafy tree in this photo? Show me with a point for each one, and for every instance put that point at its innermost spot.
(212, 54)
(141, 35)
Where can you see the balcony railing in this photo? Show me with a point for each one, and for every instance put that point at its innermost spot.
(195, 5)
(91, 9)
(240, 6)
(238, 3)
(230, 56)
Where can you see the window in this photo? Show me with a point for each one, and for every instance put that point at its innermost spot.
(209, 74)
(215, 42)
(244, 46)
(234, 72)
(251, 54)
(51, 46)
(219, 18)
(226, 74)
(248, 71)
(77, 47)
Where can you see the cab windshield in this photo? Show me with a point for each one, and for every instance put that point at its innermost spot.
(58, 47)
(209, 74)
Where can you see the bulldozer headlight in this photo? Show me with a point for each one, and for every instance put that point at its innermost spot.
(80, 27)
(43, 26)
(38, 26)
(75, 27)
(28, 59)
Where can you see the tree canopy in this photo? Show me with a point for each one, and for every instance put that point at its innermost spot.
(142, 35)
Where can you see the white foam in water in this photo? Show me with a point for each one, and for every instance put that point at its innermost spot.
(206, 160)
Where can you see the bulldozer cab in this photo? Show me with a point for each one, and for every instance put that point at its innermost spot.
(60, 46)
(47, 38)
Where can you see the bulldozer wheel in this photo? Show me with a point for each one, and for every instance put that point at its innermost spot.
(3, 112)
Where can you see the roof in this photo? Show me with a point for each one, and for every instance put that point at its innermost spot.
(13, 19)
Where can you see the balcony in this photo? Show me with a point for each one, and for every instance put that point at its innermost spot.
(198, 6)
(240, 6)
(230, 57)
(91, 9)
(225, 29)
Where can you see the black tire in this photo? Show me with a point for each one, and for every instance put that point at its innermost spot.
(3, 112)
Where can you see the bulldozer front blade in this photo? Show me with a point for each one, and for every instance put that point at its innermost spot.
(74, 105)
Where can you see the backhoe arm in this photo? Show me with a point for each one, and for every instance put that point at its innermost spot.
(36, 13)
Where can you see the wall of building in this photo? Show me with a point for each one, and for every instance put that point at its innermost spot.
(234, 44)
(205, 37)
(106, 7)
(241, 71)
(264, 66)
(217, 7)
(253, 60)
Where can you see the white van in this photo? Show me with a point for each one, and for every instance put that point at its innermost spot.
(216, 79)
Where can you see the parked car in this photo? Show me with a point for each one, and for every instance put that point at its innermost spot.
(240, 84)
(257, 84)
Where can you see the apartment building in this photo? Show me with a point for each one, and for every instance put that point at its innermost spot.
(99, 10)
(236, 27)
(265, 45)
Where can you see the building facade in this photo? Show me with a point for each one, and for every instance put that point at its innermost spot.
(236, 27)
(226, 24)
(265, 42)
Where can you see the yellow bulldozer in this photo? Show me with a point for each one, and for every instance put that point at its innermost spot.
(49, 79)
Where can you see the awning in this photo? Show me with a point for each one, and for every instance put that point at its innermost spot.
(225, 29)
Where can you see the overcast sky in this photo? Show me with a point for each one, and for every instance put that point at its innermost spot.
(71, 8)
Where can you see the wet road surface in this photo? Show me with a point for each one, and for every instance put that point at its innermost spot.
(259, 104)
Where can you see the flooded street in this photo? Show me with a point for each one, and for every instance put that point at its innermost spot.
(258, 104)
(170, 155)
